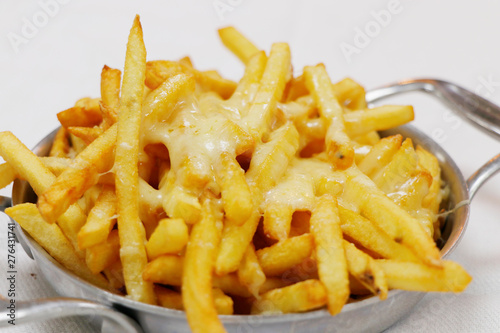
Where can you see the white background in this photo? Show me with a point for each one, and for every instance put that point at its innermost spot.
(459, 41)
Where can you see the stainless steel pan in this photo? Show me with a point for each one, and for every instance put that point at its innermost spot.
(370, 315)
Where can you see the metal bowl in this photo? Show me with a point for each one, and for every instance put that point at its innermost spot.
(118, 310)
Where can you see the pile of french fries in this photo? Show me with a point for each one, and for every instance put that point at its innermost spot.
(274, 194)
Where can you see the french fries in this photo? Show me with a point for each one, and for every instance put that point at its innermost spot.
(201, 194)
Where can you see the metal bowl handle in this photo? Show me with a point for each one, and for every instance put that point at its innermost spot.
(478, 178)
(478, 111)
(51, 308)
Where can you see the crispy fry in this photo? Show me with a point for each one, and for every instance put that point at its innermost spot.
(169, 298)
(398, 170)
(7, 174)
(395, 221)
(430, 163)
(418, 277)
(87, 134)
(272, 86)
(161, 101)
(132, 234)
(173, 300)
(60, 145)
(250, 273)
(377, 119)
(332, 265)
(166, 269)
(249, 82)
(197, 275)
(110, 87)
(338, 147)
(350, 93)
(101, 256)
(237, 43)
(30, 168)
(56, 165)
(81, 175)
(51, 238)
(86, 113)
(366, 270)
(170, 236)
(235, 193)
(101, 219)
(380, 154)
(371, 237)
(299, 297)
(276, 259)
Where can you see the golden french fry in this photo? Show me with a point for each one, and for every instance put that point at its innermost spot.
(60, 145)
(31, 168)
(56, 165)
(159, 71)
(166, 269)
(7, 174)
(350, 93)
(363, 232)
(395, 221)
(169, 298)
(398, 170)
(237, 43)
(299, 297)
(186, 61)
(280, 257)
(236, 197)
(51, 238)
(132, 235)
(100, 220)
(380, 154)
(338, 146)
(419, 277)
(169, 237)
(296, 89)
(270, 160)
(377, 119)
(278, 220)
(25, 163)
(110, 87)
(160, 103)
(81, 175)
(77, 145)
(249, 82)
(330, 256)
(101, 256)
(179, 203)
(366, 270)
(197, 274)
(250, 273)
(87, 134)
(272, 85)
(430, 163)
(232, 245)
(223, 303)
(86, 113)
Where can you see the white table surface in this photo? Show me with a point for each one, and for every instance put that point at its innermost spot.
(49, 68)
